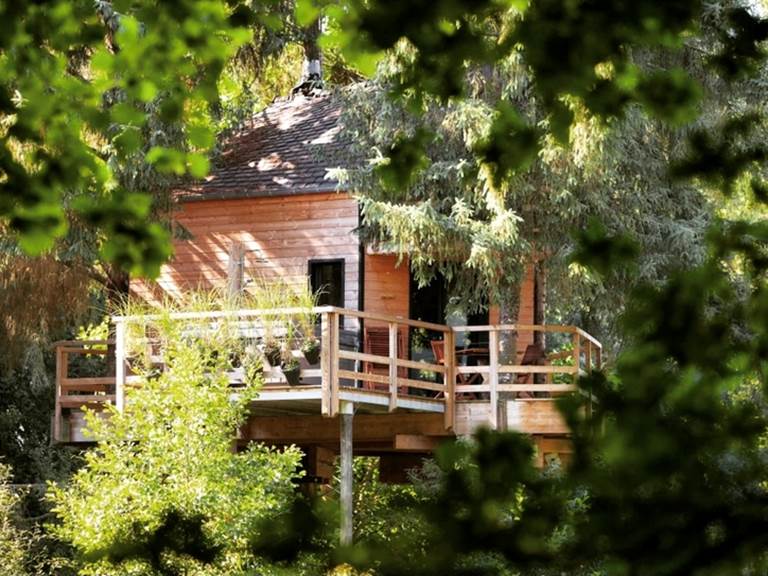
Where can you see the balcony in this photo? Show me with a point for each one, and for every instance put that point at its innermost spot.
(510, 382)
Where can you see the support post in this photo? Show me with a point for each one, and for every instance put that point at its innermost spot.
(392, 366)
(598, 358)
(326, 355)
(493, 345)
(120, 365)
(449, 378)
(347, 411)
(334, 383)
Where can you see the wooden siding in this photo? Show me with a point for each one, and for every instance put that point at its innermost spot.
(526, 315)
(279, 235)
(386, 285)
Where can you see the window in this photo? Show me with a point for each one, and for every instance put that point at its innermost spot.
(326, 278)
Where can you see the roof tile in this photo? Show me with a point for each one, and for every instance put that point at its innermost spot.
(286, 149)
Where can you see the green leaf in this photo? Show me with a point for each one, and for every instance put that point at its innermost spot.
(128, 141)
(200, 136)
(198, 165)
(146, 91)
(306, 12)
(125, 113)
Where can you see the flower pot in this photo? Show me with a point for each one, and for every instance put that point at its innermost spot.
(292, 373)
(272, 353)
(311, 351)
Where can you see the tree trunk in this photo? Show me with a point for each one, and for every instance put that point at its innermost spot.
(311, 34)
(539, 310)
(235, 271)
(509, 313)
(539, 301)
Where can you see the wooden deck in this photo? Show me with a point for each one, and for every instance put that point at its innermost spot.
(407, 405)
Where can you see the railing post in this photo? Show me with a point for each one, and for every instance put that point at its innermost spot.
(334, 362)
(493, 344)
(120, 365)
(60, 375)
(576, 354)
(449, 378)
(392, 366)
(588, 357)
(326, 359)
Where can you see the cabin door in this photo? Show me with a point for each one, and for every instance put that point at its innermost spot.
(427, 303)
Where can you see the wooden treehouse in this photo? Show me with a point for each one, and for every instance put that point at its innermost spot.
(407, 366)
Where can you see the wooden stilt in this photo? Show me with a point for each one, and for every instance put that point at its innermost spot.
(346, 472)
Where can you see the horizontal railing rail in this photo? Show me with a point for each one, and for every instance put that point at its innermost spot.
(500, 369)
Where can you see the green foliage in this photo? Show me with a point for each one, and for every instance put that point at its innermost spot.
(26, 404)
(67, 97)
(601, 252)
(384, 513)
(14, 542)
(165, 465)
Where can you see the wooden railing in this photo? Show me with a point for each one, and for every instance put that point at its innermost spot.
(506, 371)
(386, 378)
(77, 390)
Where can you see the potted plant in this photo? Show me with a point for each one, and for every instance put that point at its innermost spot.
(291, 369)
(272, 351)
(253, 366)
(311, 349)
(306, 321)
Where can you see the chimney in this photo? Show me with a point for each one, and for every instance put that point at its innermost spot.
(311, 71)
(311, 82)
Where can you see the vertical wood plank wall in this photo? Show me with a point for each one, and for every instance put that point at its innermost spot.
(526, 310)
(386, 285)
(280, 235)
(385, 291)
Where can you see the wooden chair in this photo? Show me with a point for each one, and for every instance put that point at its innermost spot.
(533, 356)
(438, 350)
(377, 343)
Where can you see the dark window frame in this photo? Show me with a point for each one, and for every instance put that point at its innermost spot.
(341, 261)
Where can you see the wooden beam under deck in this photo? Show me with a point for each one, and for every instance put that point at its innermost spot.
(369, 429)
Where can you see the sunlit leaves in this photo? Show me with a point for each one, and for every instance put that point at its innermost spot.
(511, 144)
(306, 12)
(132, 240)
(164, 491)
(167, 54)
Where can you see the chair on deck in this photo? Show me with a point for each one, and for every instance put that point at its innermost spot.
(438, 350)
(534, 355)
(377, 343)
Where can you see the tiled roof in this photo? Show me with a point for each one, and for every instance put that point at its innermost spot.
(285, 149)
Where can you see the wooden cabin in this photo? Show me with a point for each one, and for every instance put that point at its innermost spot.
(270, 205)
(389, 354)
